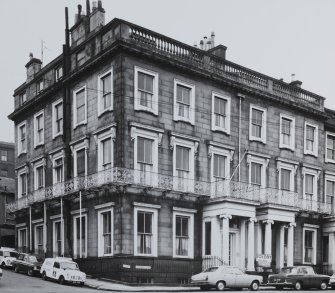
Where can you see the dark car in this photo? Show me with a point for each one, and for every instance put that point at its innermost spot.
(28, 263)
(299, 277)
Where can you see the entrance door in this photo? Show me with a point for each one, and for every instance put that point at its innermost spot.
(232, 248)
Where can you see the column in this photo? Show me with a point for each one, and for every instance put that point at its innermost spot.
(268, 237)
(30, 232)
(258, 239)
(331, 252)
(280, 247)
(242, 249)
(290, 244)
(251, 244)
(225, 238)
(215, 231)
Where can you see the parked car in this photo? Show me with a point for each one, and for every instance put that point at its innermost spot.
(332, 281)
(1, 274)
(64, 270)
(223, 277)
(299, 277)
(28, 263)
(7, 255)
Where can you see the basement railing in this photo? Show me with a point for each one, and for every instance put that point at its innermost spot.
(220, 190)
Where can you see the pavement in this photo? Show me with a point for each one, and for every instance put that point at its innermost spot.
(110, 285)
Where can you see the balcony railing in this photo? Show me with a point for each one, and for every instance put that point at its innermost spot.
(219, 190)
(205, 60)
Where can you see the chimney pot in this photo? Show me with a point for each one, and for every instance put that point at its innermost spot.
(88, 7)
(292, 77)
(94, 5)
(99, 4)
(79, 11)
(31, 55)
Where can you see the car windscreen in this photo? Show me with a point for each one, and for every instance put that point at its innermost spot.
(10, 253)
(34, 258)
(212, 269)
(69, 266)
(289, 270)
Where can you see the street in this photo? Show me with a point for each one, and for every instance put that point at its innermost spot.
(21, 283)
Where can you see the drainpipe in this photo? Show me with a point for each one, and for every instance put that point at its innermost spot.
(239, 134)
(30, 232)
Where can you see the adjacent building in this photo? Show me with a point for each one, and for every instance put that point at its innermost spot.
(7, 194)
(146, 159)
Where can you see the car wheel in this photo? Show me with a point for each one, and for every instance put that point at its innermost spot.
(323, 285)
(220, 286)
(81, 284)
(298, 285)
(30, 272)
(204, 288)
(279, 287)
(44, 276)
(61, 280)
(254, 286)
(16, 269)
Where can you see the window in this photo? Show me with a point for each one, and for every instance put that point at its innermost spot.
(22, 240)
(208, 238)
(220, 113)
(310, 187)
(58, 73)
(183, 225)
(57, 118)
(330, 191)
(57, 238)
(287, 132)
(39, 246)
(146, 154)
(257, 169)
(325, 249)
(184, 101)
(287, 170)
(80, 238)
(105, 149)
(39, 128)
(311, 139)
(146, 90)
(285, 183)
(285, 244)
(39, 177)
(80, 58)
(22, 183)
(80, 163)
(22, 99)
(58, 167)
(105, 232)
(309, 240)
(3, 173)
(3, 156)
(145, 229)
(330, 147)
(257, 129)
(80, 111)
(219, 162)
(22, 143)
(183, 162)
(39, 86)
(105, 92)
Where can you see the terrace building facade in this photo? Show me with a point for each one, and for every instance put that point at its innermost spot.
(146, 159)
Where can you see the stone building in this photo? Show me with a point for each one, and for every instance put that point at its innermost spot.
(7, 193)
(146, 159)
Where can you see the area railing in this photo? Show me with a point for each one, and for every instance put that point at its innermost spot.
(219, 190)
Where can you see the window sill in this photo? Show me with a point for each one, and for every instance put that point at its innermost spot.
(286, 147)
(57, 135)
(256, 139)
(80, 124)
(329, 161)
(22, 153)
(38, 145)
(105, 111)
(147, 110)
(217, 129)
(307, 153)
(180, 119)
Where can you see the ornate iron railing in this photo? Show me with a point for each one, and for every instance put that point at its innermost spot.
(209, 261)
(224, 189)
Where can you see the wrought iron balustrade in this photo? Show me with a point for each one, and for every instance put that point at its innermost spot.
(222, 189)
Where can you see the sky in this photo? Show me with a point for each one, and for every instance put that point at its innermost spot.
(274, 37)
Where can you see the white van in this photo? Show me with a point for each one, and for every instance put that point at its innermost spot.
(7, 255)
(62, 269)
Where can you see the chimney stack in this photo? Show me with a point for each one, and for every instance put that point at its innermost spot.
(94, 5)
(97, 17)
(88, 7)
(213, 39)
(33, 66)
(205, 43)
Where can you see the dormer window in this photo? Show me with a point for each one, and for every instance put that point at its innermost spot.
(22, 99)
(58, 73)
(40, 86)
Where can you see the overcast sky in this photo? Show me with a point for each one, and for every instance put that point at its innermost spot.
(276, 38)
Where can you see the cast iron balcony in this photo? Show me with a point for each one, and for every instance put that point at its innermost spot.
(215, 191)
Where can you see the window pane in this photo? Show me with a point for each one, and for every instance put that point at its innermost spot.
(285, 179)
(183, 94)
(182, 158)
(80, 104)
(309, 182)
(107, 153)
(256, 173)
(208, 238)
(81, 162)
(144, 150)
(219, 166)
